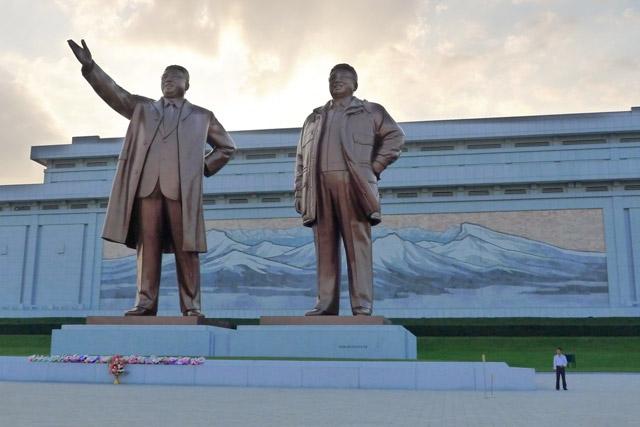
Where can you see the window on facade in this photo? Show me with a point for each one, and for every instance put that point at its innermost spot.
(596, 188)
(96, 163)
(407, 195)
(63, 165)
(271, 199)
(532, 144)
(515, 191)
(584, 141)
(260, 156)
(442, 193)
(22, 208)
(630, 139)
(49, 207)
(238, 200)
(478, 192)
(437, 148)
(78, 206)
(552, 189)
(483, 146)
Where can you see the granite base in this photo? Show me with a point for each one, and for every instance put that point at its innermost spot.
(286, 341)
(476, 376)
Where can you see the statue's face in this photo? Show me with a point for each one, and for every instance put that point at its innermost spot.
(341, 83)
(174, 84)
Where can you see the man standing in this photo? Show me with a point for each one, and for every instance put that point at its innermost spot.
(344, 147)
(156, 200)
(559, 365)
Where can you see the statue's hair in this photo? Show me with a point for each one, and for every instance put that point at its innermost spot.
(178, 68)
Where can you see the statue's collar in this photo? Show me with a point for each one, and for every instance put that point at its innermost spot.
(355, 106)
(187, 107)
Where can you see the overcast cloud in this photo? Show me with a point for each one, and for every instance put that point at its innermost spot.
(264, 63)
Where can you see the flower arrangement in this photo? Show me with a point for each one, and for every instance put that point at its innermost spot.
(116, 367)
(117, 363)
(129, 360)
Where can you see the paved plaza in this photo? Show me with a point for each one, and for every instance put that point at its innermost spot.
(592, 400)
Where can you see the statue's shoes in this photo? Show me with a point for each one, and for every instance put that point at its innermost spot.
(362, 311)
(317, 312)
(193, 313)
(140, 311)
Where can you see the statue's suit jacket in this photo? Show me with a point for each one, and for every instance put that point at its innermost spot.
(196, 126)
(370, 141)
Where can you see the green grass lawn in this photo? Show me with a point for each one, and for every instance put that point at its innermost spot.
(24, 345)
(612, 354)
(605, 354)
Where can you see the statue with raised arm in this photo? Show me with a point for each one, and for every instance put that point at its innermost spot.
(344, 146)
(156, 199)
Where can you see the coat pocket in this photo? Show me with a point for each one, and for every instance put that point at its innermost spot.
(363, 147)
(363, 138)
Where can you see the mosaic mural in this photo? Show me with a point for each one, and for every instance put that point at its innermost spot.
(462, 260)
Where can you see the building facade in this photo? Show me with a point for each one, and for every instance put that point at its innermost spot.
(517, 216)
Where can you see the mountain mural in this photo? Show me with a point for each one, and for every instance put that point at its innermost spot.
(407, 262)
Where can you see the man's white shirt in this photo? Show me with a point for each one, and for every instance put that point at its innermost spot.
(559, 360)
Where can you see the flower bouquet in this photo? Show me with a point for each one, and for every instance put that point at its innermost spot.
(116, 367)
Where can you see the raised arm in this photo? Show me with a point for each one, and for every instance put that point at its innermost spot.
(115, 96)
(223, 147)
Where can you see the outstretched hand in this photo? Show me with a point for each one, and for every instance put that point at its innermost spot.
(83, 54)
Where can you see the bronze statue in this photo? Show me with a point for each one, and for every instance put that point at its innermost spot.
(156, 200)
(344, 146)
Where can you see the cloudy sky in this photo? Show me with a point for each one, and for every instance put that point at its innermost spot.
(264, 63)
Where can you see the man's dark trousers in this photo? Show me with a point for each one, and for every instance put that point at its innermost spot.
(560, 373)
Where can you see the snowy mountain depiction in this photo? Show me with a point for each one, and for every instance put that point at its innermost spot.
(406, 261)
(269, 250)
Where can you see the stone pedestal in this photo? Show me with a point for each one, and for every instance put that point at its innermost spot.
(325, 341)
(143, 340)
(470, 376)
(298, 338)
